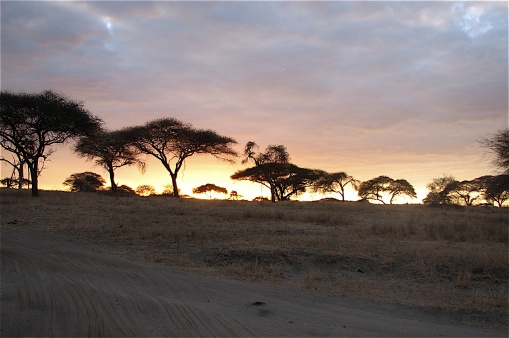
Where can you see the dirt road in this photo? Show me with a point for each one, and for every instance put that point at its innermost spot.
(57, 286)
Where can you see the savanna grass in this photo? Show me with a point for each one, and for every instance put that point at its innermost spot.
(451, 259)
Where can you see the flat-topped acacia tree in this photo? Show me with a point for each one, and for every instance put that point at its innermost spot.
(334, 183)
(375, 189)
(30, 123)
(273, 170)
(111, 150)
(210, 190)
(172, 141)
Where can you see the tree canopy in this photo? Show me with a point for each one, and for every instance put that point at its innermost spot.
(283, 179)
(273, 170)
(234, 195)
(210, 190)
(86, 181)
(447, 190)
(437, 190)
(498, 144)
(17, 177)
(377, 188)
(30, 123)
(111, 150)
(145, 190)
(172, 142)
(334, 183)
(267, 164)
(272, 154)
(497, 189)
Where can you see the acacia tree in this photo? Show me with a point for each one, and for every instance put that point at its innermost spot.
(13, 182)
(334, 183)
(18, 166)
(266, 164)
(493, 189)
(437, 190)
(111, 149)
(498, 144)
(273, 170)
(401, 187)
(172, 142)
(234, 195)
(125, 189)
(468, 192)
(86, 181)
(30, 123)
(145, 190)
(497, 189)
(293, 180)
(210, 190)
(377, 188)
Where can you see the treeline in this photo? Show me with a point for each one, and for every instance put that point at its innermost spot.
(30, 123)
(484, 190)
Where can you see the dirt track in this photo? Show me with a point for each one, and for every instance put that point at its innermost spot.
(56, 286)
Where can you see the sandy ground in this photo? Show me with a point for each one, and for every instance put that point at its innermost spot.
(58, 286)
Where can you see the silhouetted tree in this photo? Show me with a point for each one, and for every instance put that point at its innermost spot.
(375, 189)
(437, 191)
(497, 189)
(493, 189)
(260, 199)
(283, 179)
(333, 183)
(498, 144)
(234, 195)
(272, 154)
(86, 181)
(14, 182)
(464, 192)
(447, 190)
(170, 140)
(111, 149)
(145, 190)
(31, 123)
(18, 165)
(8, 182)
(265, 164)
(401, 188)
(124, 189)
(168, 190)
(210, 190)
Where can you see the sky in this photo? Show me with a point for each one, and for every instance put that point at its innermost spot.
(402, 89)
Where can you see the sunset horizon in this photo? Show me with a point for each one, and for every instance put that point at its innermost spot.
(401, 89)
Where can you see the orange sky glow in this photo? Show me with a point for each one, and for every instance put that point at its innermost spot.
(402, 89)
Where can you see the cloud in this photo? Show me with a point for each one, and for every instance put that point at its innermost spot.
(333, 77)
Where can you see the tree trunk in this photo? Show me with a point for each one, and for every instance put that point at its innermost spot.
(112, 180)
(174, 183)
(342, 193)
(33, 168)
(20, 174)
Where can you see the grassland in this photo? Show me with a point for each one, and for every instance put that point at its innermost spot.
(451, 260)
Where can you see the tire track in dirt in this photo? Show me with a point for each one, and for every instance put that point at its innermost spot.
(55, 286)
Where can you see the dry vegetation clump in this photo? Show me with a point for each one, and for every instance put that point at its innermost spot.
(453, 260)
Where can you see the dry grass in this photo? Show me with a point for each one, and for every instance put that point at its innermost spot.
(453, 260)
